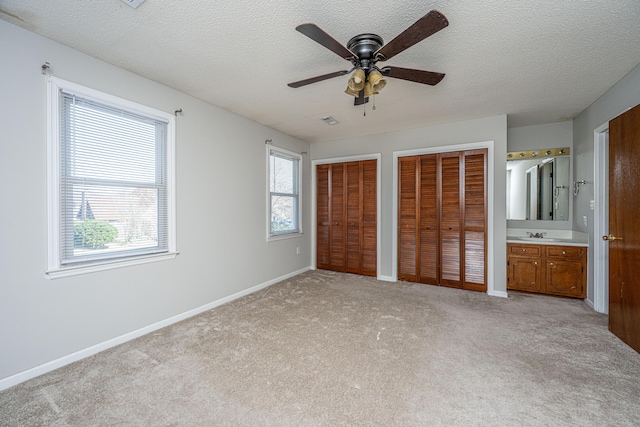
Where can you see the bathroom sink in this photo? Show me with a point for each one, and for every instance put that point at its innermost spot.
(538, 239)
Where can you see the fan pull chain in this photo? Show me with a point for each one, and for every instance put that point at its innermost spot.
(364, 107)
(374, 103)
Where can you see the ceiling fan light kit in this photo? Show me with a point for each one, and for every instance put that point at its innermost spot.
(364, 51)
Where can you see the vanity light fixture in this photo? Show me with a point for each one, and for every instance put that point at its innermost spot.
(547, 152)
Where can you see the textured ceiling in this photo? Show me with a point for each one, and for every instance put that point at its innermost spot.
(538, 61)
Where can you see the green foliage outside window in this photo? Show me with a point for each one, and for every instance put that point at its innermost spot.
(93, 234)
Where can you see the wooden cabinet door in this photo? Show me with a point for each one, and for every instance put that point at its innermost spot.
(337, 225)
(565, 277)
(525, 274)
(322, 218)
(450, 218)
(475, 218)
(369, 224)
(407, 218)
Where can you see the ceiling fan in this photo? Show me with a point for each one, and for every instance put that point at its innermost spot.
(364, 51)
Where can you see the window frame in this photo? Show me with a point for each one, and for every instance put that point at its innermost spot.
(55, 267)
(286, 154)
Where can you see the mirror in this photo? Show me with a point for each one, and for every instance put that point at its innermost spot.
(538, 188)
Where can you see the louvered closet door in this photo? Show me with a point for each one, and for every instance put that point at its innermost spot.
(475, 218)
(337, 224)
(369, 227)
(353, 221)
(429, 220)
(322, 217)
(407, 218)
(450, 218)
(442, 219)
(346, 213)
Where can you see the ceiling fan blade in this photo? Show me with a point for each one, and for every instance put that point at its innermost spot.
(318, 35)
(317, 79)
(360, 99)
(424, 27)
(418, 76)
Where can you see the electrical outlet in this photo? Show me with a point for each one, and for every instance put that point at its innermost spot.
(584, 220)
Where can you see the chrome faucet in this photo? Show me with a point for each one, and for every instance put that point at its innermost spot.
(536, 235)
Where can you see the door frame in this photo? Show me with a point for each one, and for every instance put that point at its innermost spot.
(601, 219)
(314, 164)
(489, 145)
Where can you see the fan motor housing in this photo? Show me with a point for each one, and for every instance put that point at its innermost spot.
(365, 45)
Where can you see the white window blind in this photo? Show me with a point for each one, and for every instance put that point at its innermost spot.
(284, 192)
(113, 195)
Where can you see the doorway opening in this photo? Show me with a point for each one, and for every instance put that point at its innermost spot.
(601, 220)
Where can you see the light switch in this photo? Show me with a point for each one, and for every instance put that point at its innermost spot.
(584, 220)
(592, 205)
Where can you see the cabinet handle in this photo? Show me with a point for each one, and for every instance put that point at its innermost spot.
(551, 264)
(535, 263)
(564, 253)
(352, 224)
(337, 223)
(524, 250)
(428, 228)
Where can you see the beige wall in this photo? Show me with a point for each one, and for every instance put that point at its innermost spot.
(221, 212)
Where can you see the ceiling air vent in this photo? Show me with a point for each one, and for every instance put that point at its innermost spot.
(133, 3)
(330, 120)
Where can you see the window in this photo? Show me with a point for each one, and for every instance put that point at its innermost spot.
(111, 177)
(284, 192)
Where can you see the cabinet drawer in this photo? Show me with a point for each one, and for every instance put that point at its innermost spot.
(565, 251)
(524, 250)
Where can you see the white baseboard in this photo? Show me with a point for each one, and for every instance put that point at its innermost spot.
(20, 377)
(590, 303)
(386, 279)
(500, 294)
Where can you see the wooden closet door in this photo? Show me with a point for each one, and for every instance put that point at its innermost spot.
(475, 218)
(407, 218)
(353, 219)
(337, 225)
(346, 217)
(369, 227)
(450, 218)
(322, 217)
(428, 220)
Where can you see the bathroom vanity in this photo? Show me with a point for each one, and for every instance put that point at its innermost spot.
(550, 266)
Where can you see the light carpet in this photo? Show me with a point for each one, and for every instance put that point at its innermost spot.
(334, 349)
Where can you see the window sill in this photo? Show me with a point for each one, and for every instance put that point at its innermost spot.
(284, 236)
(57, 273)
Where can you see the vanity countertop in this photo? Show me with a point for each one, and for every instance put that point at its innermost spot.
(549, 241)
